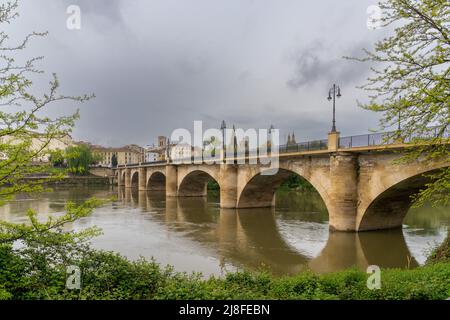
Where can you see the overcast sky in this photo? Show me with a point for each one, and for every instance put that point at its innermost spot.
(158, 65)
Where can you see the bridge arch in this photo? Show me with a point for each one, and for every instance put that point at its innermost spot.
(134, 179)
(156, 181)
(195, 182)
(122, 180)
(386, 204)
(259, 190)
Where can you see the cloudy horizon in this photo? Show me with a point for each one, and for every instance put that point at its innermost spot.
(156, 66)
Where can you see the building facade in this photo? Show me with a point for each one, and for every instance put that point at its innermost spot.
(40, 144)
(153, 153)
(180, 151)
(150, 156)
(129, 154)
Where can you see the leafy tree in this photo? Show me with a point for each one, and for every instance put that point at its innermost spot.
(25, 131)
(57, 158)
(411, 81)
(79, 158)
(25, 135)
(211, 146)
(114, 161)
(213, 185)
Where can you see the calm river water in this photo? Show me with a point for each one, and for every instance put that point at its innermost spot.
(194, 234)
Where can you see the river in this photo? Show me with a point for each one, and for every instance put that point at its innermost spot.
(194, 234)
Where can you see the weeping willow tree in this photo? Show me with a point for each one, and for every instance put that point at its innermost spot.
(410, 84)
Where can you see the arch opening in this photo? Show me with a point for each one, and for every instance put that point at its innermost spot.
(198, 184)
(389, 209)
(264, 191)
(156, 182)
(135, 180)
(122, 181)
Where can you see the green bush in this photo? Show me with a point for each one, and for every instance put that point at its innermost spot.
(441, 253)
(107, 275)
(79, 158)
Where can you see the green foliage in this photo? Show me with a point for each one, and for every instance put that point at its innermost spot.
(411, 77)
(211, 147)
(296, 182)
(107, 275)
(25, 132)
(213, 185)
(57, 158)
(441, 253)
(79, 158)
(36, 268)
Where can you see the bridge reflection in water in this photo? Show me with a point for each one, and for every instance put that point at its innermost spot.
(254, 238)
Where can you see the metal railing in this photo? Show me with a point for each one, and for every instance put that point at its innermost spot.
(140, 164)
(364, 140)
(314, 145)
(387, 138)
(153, 162)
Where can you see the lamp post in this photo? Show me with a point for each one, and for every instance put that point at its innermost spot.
(223, 126)
(335, 91)
(269, 141)
(168, 151)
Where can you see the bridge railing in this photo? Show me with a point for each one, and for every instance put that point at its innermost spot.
(364, 140)
(153, 162)
(315, 145)
(386, 138)
(140, 164)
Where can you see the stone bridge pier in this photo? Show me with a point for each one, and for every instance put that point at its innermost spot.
(343, 195)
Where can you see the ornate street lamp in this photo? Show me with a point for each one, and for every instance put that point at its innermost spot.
(223, 126)
(168, 151)
(269, 141)
(335, 91)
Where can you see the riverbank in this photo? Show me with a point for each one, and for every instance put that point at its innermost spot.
(106, 275)
(69, 180)
(90, 180)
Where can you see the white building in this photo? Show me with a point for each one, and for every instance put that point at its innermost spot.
(184, 151)
(150, 155)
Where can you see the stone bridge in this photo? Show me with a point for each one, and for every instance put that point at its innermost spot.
(363, 188)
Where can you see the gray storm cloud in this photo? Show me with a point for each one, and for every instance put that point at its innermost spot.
(159, 65)
(311, 65)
